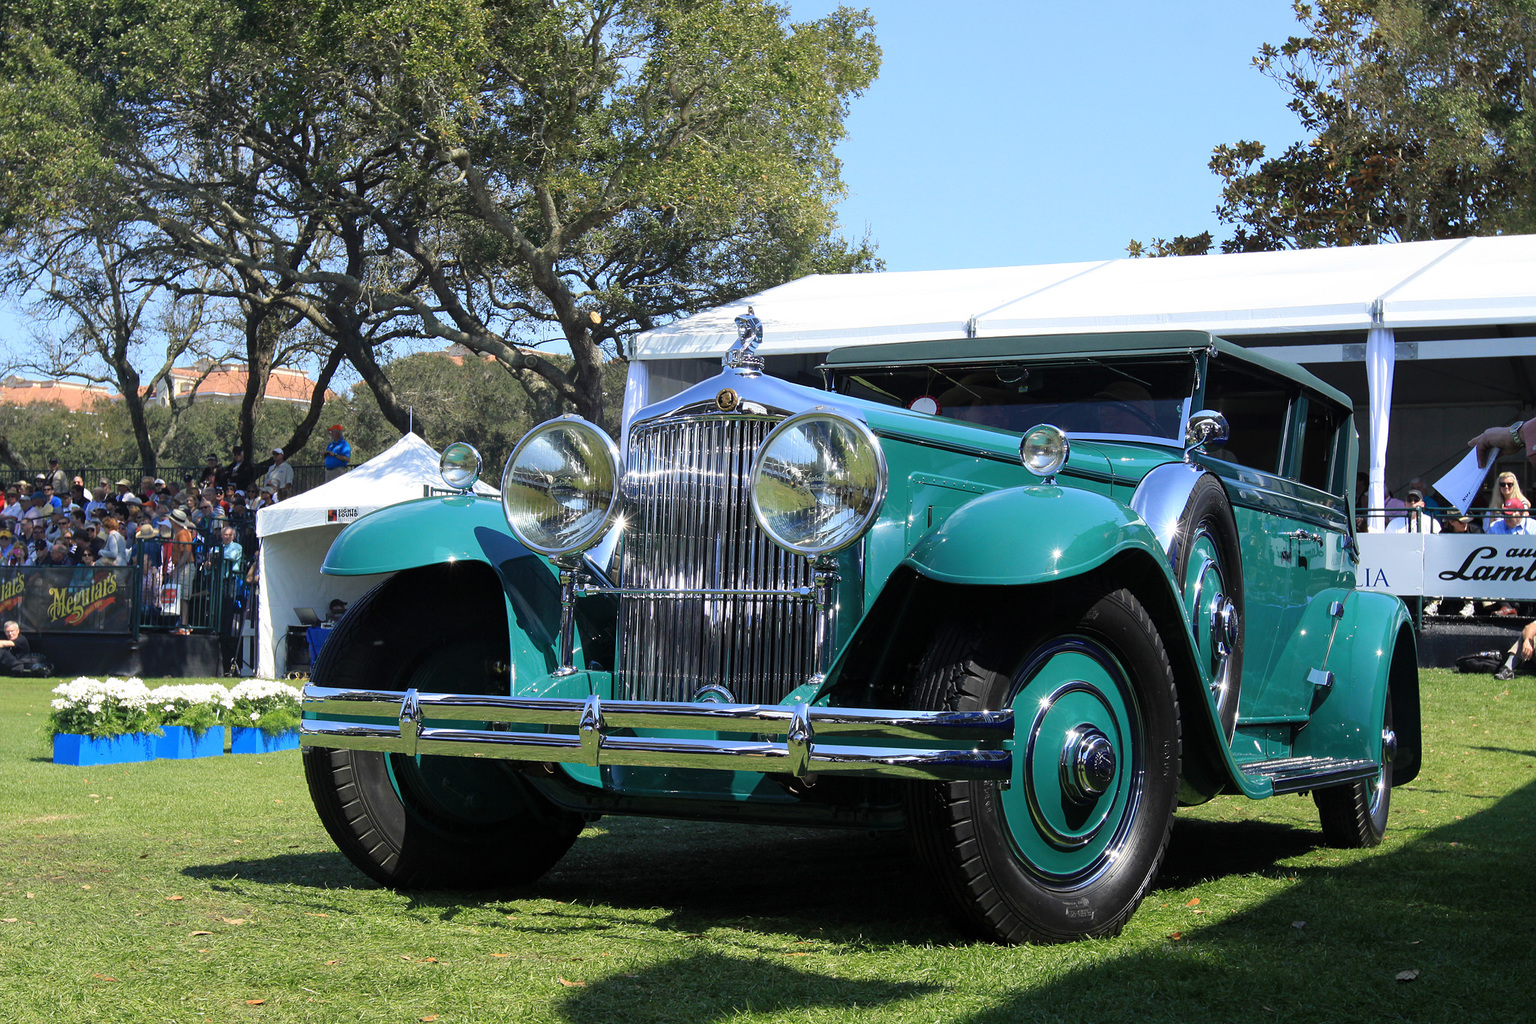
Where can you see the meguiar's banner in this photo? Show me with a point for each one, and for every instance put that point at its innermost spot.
(68, 600)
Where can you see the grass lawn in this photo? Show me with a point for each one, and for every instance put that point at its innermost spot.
(208, 891)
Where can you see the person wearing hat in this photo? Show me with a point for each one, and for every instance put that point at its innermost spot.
(1415, 518)
(338, 454)
(239, 474)
(279, 478)
(13, 551)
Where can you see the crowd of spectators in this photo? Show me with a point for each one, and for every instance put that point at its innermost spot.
(53, 520)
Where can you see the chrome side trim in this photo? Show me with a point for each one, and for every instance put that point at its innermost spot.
(593, 732)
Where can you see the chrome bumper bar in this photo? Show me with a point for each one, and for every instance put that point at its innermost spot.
(969, 742)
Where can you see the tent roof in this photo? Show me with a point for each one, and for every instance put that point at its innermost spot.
(1455, 282)
(394, 475)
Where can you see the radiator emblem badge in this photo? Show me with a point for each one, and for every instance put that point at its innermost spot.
(727, 400)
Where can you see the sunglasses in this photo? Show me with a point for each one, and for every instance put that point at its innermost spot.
(1505, 486)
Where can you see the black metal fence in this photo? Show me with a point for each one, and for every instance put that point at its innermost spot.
(305, 477)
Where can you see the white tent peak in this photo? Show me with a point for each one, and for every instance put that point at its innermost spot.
(399, 473)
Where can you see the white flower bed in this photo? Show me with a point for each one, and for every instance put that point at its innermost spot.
(103, 707)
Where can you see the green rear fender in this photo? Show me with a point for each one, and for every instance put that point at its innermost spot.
(464, 529)
(1380, 655)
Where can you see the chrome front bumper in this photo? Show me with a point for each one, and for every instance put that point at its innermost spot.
(783, 738)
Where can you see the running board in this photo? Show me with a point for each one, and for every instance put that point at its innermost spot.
(1297, 774)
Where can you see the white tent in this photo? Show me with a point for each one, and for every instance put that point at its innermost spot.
(1437, 335)
(295, 535)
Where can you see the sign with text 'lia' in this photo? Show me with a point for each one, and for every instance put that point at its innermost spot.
(1492, 566)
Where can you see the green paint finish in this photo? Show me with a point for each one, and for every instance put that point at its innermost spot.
(428, 531)
(1347, 721)
(1074, 687)
(1029, 535)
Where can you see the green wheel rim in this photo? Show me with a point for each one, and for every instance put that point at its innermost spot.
(1073, 696)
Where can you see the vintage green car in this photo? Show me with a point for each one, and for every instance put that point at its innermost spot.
(1019, 597)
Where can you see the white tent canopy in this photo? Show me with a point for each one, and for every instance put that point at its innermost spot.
(1454, 282)
(295, 535)
(1453, 300)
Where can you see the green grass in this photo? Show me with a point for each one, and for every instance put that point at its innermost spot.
(184, 891)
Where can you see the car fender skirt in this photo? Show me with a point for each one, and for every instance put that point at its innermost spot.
(431, 531)
(1030, 535)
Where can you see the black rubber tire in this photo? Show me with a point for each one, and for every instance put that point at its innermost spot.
(430, 822)
(1355, 815)
(1208, 513)
(961, 831)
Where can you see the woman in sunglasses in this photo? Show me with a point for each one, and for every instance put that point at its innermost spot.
(1513, 507)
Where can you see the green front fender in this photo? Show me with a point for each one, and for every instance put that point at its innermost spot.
(461, 528)
(429, 531)
(1031, 535)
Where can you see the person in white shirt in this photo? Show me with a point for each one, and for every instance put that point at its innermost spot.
(280, 476)
(1415, 518)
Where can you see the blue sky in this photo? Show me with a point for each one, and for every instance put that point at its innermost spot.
(1002, 134)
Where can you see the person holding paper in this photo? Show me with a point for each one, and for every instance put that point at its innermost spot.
(1519, 436)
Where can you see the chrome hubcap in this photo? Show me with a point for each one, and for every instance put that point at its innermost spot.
(1087, 764)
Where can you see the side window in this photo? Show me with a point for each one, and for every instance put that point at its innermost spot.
(1318, 444)
(1256, 409)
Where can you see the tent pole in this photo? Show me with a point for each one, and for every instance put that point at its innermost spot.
(1380, 361)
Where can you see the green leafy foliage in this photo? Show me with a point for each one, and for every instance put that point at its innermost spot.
(1421, 125)
(497, 173)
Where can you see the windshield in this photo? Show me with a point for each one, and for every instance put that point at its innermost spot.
(1087, 397)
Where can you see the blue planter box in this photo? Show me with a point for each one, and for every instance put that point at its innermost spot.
(180, 742)
(254, 741)
(69, 748)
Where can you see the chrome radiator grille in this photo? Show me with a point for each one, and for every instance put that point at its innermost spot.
(691, 529)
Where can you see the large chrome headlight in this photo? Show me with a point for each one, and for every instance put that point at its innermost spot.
(818, 482)
(561, 485)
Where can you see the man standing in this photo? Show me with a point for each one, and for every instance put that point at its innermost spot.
(338, 454)
(56, 476)
(280, 477)
(231, 559)
(212, 475)
(240, 474)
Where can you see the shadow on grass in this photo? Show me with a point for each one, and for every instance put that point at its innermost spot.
(1456, 905)
(710, 987)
